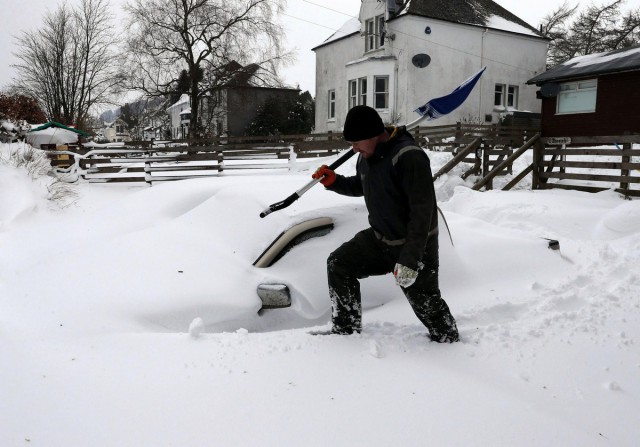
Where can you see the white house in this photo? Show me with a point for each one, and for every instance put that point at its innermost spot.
(116, 131)
(179, 117)
(399, 54)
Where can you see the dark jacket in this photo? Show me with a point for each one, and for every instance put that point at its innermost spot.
(397, 185)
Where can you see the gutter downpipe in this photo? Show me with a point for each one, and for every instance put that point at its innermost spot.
(481, 65)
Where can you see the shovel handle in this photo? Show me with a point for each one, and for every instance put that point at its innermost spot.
(296, 195)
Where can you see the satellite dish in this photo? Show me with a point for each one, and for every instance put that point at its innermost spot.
(421, 60)
(550, 90)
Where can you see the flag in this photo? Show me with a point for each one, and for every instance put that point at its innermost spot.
(438, 107)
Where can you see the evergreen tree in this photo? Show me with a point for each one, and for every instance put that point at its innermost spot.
(284, 117)
(129, 116)
(596, 29)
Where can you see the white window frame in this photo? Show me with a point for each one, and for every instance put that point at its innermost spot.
(577, 97)
(374, 33)
(384, 94)
(362, 91)
(506, 96)
(512, 96)
(357, 89)
(353, 93)
(499, 94)
(380, 30)
(331, 106)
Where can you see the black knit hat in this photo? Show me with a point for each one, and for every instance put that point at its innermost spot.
(362, 123)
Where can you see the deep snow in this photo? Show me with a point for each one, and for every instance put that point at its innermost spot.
(118, 327)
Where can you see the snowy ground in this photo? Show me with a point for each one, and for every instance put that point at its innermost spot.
(123, 321)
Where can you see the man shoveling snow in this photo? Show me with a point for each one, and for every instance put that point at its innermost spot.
(394, 176)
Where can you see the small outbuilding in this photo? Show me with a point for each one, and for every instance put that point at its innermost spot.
(592, 95)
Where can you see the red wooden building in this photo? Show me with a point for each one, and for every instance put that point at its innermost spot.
(593, 95)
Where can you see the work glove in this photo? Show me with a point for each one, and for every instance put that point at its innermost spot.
(326, 175)
(405, 277)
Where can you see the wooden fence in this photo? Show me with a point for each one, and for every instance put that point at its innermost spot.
(483, 148)
(176, 160)
(153, 161)
(589, 164)
(487, 151)
(451, 137)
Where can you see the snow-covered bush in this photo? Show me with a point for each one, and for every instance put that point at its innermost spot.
(12, 131)
(37, 166)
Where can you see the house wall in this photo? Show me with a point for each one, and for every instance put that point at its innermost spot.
(331, 74)
(457, 52)
(617, 111)
(111, 133)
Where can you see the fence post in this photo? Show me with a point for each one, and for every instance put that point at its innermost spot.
(486, 164)
(293, 154)
(220, 160)
(626, 158)
(538, 157)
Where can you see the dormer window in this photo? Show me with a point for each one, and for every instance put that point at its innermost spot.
(374, 33)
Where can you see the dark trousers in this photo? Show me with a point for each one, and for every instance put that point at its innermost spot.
(364, 256)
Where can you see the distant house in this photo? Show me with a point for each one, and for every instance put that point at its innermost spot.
(179, 117)
(116, 131)
(398, 54)
(230, 108)
(593, 95)
(152, 132)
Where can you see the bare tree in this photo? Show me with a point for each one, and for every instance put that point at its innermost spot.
(68, 64)
(596, 29)
(174, 42)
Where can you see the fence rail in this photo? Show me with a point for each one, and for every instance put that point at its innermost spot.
(591, 168)
(582, 163)
(176, 160)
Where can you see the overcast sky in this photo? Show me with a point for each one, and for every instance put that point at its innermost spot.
(307, 24)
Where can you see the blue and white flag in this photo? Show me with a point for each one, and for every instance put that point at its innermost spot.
(438, 107)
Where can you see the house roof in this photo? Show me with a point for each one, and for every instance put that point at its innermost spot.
(350, 27)
(60, 126)
(184, 99)
(473, 12)
(484, 13)
(626, 59)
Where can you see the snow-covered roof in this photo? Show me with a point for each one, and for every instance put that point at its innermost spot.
(184, 99)
(351, 26)
(473, 12)
(54, 124)
(626, 59)
(51, 135)
(484, 13)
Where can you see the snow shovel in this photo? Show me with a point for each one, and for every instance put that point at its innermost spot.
(431, 110)
(296, 195)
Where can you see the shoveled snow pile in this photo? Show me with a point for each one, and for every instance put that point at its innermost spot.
(111, 312)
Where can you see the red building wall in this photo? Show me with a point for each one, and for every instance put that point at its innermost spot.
(617, 110)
